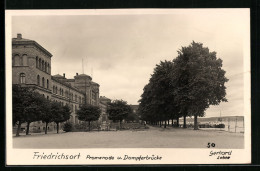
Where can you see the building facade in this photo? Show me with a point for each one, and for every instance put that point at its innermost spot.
(31, 66)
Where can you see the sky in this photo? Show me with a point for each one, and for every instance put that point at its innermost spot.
(121, 51)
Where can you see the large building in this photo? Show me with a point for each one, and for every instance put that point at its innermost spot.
(31, 66)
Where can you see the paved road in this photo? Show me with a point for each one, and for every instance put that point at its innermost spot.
(155, 137)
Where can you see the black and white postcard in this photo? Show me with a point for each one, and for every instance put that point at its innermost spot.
(128, 86)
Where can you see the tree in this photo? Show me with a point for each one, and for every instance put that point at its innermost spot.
(46, 115)
(20, 97)
(66, 113)
(118, 110)
(199, 80)
(27, 106)
(132, 117)
(163, 99)
(60, 113)
(56, 112)
(34, 110)
(157, 102)
(88, 113)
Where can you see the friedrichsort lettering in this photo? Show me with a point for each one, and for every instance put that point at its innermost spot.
(57, 156)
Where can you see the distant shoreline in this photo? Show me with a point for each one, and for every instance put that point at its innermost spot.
(214, 119)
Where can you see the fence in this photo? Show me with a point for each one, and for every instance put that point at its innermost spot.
(231, 124)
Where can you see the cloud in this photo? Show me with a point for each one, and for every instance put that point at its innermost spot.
(124, 49)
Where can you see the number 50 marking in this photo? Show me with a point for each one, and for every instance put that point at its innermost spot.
(211, 145)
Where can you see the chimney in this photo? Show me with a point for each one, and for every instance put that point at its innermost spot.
(19, 36)
(77, 74)
(64, 75)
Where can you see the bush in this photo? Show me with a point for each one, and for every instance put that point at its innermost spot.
(85, 127)
(67, 127)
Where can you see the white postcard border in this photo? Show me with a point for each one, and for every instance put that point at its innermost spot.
(169, 155)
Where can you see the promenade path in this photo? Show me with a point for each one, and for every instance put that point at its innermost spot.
(154, 137)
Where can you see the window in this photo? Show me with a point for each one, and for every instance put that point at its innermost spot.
(40, 63)
(47, 84)
(43, 82)
(37, 64)
(56, 90)
(47, 97)
(24, 60)
(76, 98)
(48, 68)
(38, 80)
(60, 91)
(16, 60)
(53, 89)
(45, 65)
(93, 95)
(22, 78)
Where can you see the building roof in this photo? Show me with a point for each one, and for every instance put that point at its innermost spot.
(82, 76)
(66, 84)
(104, 98)
(20, 40)
(134, 106)
(58, 76)
(70, 80)
(94, 83)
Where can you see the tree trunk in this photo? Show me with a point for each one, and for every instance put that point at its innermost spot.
(184, 122)
(89, 126)
(196, 122)
(165, 122)
(160, 123)
(172, 122)
(177, 122)
(27, 128)
(120, 125)
(18, 129)
(46, 126)
(58, 128)
(168, 122)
